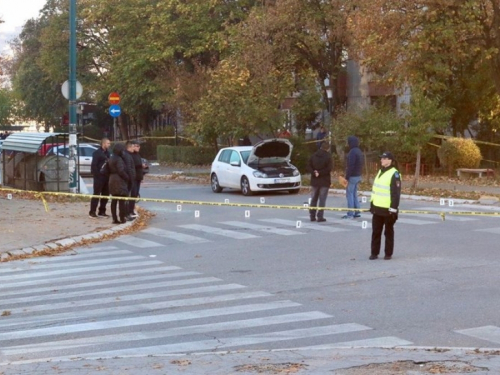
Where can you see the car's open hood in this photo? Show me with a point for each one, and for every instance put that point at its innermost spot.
(277, 150)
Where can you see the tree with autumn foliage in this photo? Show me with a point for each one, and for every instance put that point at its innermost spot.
(450, 48)
(424, 117)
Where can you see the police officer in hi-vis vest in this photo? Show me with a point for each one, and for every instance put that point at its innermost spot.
(384, 205)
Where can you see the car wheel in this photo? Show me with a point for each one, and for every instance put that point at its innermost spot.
(294, 191)
(245, 186)
(216, 188)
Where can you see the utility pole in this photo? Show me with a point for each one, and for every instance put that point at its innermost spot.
(73, 151)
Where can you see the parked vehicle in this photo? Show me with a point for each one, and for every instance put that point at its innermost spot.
(85, 151)
(263, 167)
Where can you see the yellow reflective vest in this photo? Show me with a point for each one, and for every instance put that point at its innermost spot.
(381, 192)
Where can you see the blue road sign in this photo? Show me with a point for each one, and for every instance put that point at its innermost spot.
(115, 110)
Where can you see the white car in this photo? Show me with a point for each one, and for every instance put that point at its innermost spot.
(85, 151)
(263, 167)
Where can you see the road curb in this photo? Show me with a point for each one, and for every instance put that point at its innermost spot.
(63, 243)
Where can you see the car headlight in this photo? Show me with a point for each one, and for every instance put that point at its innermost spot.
(259, 174)
(296, 172)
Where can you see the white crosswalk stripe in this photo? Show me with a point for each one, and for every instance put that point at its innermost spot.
(495, 230)
(487, 333)
(304, 225)
(138, 242)
(219, 232)
(446, 209)
(262, 228)
(187, 238)
(162, 309)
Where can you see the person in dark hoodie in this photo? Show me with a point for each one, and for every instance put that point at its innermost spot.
(320, 165)
(354, 168)
(119, 181)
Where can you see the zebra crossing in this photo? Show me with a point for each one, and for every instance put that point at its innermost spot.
(197, 233)
(108, 302)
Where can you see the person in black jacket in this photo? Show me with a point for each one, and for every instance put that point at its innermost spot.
(119, 180)
(354, 169)
(100, 186)
(139, 176)
(320, 166)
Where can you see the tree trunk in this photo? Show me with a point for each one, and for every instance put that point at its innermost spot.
(414, 184)
(123, 128)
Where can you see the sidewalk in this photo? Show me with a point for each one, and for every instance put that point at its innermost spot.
(338, 361)
(26, 227)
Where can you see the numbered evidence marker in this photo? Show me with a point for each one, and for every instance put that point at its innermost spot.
(298, 224)
(197, 213)
(363, 199)
(9, 196)
(364, 224)
(450, 202)
(262, 200)
(442, 202)
(247, 213)
(179, 207)
(226, 200)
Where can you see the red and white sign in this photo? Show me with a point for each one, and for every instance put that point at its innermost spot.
(114, 98)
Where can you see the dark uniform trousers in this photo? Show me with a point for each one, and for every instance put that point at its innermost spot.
(378, 223)
(101, 187)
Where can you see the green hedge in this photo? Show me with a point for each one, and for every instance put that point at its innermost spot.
(194, 155)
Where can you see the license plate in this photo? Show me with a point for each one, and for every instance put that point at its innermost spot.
(281, 180)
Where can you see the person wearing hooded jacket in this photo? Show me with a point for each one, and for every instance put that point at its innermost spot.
(384, 204)
(354, 169)
(119, 181)
(320, 166)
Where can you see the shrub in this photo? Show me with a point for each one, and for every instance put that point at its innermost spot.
(301, 153)
(459, 153)
(194, 155)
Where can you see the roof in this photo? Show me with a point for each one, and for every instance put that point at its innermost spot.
(27, 142)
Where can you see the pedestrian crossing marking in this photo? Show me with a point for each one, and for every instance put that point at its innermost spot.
(88, 277)
(44, 266)
(187, 238)
(109, 250)
(124, 298)
(107, 282)
(219, 231)
(487, 333)
(101, 312)
(174, 331)
(144, 320)
(263, 228)
(377, 342)
(74, 271)
(137, 242)
(5, 302)
(228, 342)
(405, 220)
(489, 230)
(317, 227)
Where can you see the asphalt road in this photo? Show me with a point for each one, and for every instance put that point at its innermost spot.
(208, 277)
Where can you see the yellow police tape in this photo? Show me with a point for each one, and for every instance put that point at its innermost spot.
(442, 214)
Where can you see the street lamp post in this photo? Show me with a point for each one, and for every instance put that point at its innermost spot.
(329, 94)
(73, 152)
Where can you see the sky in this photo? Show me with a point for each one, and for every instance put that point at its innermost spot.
(15, 13)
